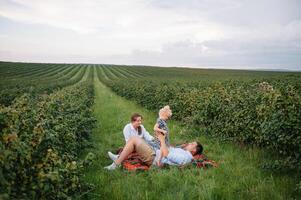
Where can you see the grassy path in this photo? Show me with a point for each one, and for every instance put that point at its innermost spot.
(237, 177)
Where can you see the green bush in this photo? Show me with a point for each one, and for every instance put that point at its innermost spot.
(17, 84)
(40, 142)
(251, 112)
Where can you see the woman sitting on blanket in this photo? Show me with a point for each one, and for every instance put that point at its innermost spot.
(151, 157)
(135, 128)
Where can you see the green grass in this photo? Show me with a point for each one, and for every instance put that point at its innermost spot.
(238, 175)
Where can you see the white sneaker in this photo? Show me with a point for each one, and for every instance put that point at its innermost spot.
(113, 156)
(113, 166)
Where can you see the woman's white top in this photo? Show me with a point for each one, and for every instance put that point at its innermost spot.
(129, 131)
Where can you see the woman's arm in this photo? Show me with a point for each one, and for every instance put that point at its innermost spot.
(126, 133)
(146, 134)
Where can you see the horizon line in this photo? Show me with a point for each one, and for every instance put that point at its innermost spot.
(143, 65)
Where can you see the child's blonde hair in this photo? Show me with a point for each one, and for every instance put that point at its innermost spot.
(165, 109)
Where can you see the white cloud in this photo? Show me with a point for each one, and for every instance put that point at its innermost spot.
(169, 32)
(125, 20)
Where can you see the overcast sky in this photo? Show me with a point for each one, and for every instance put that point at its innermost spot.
(247, 34)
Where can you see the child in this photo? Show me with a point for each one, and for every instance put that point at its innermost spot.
(161, 126)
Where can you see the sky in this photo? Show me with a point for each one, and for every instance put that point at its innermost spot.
(236, 34)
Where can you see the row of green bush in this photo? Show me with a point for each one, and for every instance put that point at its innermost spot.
(40, 142)
(12, 87)
(253, 112)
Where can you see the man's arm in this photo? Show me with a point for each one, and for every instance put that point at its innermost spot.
(163, 149)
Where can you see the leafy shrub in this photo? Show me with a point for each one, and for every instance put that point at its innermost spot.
(251, 112)
(40, 142)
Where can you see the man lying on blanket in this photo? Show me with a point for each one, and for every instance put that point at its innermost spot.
(152, 156)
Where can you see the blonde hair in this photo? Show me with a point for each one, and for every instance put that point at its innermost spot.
(165, 109)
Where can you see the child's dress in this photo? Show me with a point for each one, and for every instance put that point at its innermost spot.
(156, 143)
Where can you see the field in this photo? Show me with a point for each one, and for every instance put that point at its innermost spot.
(59, 120)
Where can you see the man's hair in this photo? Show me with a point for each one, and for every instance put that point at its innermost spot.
(135, 116)
(199, 148)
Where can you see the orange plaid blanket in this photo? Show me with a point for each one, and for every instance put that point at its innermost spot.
(134, 162)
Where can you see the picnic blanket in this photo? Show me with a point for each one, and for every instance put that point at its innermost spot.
(134, 163)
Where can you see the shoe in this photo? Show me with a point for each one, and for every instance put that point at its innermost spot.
(113, 166)
(113, 156)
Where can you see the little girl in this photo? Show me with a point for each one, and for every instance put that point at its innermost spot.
(161, 126)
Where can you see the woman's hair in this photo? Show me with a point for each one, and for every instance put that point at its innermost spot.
(199, 148)
(139, 130)
(135, 116)
(165, 109)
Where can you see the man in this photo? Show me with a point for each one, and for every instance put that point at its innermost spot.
(152, 156)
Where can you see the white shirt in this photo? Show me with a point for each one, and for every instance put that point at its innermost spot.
(129, 131)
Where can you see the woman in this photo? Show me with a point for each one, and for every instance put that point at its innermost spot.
(134, 129)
